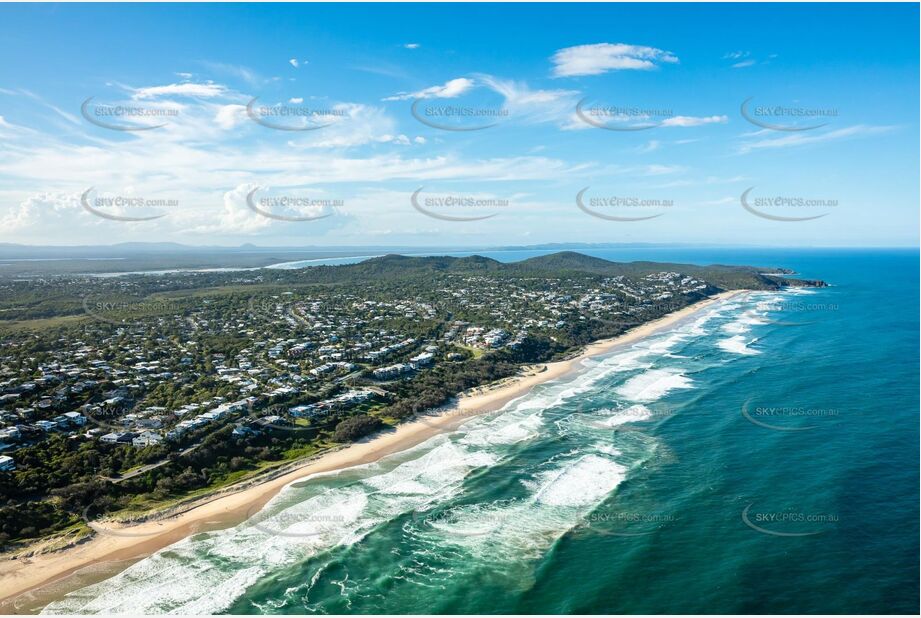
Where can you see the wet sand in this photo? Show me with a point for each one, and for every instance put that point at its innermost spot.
(30, 583)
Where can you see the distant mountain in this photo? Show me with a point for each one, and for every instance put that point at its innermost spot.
(25, 260)
(565, 262)
(568, 260)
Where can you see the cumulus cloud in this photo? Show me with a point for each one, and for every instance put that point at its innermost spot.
(230, 116)
(603, 57)
(236, 217)
(40, 209)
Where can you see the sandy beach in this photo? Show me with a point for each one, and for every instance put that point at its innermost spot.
(29, 582)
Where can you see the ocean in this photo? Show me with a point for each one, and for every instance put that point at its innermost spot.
(759, 457)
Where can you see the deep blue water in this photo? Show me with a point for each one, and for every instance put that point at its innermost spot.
(762, 457)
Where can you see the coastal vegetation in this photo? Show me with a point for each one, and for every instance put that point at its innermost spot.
(125, 394)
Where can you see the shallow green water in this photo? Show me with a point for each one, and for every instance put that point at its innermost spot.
(762, 457)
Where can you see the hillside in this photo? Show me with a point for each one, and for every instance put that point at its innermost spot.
(565, 262)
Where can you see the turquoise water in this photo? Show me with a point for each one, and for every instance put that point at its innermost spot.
(759, 457)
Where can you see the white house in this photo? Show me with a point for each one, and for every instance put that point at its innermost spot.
(148, 438)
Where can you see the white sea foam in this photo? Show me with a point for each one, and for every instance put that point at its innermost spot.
(561, 497)
(607, 449)
(744, 323)
(205, 574)
(500, 431)
(633, 414)
(581, 483)
(737, 345)
(653, 384)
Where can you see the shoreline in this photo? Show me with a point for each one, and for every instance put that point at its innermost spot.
(30, 583)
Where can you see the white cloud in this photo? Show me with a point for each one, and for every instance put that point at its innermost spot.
(662, 170)
(533, 106)
(71, 118)
(187, 89)
(520, 94)
(196, 160)
(693, 121)
(236, 217)
(40, 210)
(10, 130)
(411, 46)
(401, 139)
(522, 103)
(743, 59)
(235, 70)
(603, 57)
(803, 138)
(296, 100)
(230, 116)
(450, 89)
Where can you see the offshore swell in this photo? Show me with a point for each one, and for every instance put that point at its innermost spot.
(556, 455)
(618, 489)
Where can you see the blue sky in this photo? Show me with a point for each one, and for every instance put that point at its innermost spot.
(660, 144)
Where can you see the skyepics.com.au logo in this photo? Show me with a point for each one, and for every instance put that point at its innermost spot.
(99, 524)
(632, 312)
(116, 207)
(286, 207)
(798, 308)
(464, 521)
(273, 307)
(447, 415)
(617, 419)
(620, 117)
(781, 207)
(786, 417)
(438, 206)
(294, 116)
(110, 414)
(122, 311)
(789, 118)
(127, 116)
(615, 206)
(451, 117)
(277, 413)
(787, 522)
(624, 523)
(294, 522)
